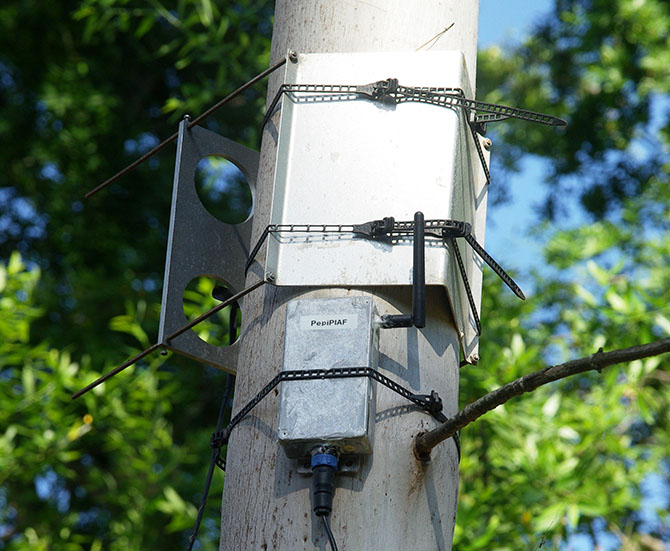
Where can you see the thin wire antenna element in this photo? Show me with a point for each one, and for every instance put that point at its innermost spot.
(214, 310)
(178, 332)
(174, 136)
(438, 35)
(119, 369)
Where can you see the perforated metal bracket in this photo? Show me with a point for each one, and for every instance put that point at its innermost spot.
(201, 245)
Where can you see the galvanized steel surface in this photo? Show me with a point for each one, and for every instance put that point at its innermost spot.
(323, 334)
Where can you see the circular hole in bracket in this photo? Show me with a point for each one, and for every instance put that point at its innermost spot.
(223, 189)
(204, 293)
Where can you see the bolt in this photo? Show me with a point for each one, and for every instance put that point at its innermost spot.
(487, 143)
(270, 277)
(293, 56)
(474, 359)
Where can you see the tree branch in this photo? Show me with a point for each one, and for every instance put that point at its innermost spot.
(426, 441)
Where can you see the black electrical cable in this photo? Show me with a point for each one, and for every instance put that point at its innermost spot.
(324, 468)
(222, 294)
(212, 464)
(331, 538)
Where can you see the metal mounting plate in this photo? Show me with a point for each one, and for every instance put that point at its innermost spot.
(347, 161)
(201, 245)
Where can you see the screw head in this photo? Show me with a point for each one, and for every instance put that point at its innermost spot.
(487, 143)
(270, 277)
(293, 56)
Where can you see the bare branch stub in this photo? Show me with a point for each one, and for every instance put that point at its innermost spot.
(426, 441)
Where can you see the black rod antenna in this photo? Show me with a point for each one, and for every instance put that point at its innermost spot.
(418, 316)
(419, 273)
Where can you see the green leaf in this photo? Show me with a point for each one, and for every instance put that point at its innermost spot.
(28, 380)
(551, 405)
(15, 264)
(660, 320)
(616, 302)
(145, 26)
(573, 515)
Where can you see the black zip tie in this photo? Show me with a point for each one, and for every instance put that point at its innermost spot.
(431, 403)
(257, 247)
(466, 284)
(497, 268)
(173, 335)
(389, 227)
(391, 92)
(480, 153)
(195, 121)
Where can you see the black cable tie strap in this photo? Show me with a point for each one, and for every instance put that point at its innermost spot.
(466, 284)
(497, 268)
(389, 91)
(387, 228)
(457, 440)
(431, 403)
(216, 443)
(480, 153)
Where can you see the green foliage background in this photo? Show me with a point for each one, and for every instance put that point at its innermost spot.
(88, 85)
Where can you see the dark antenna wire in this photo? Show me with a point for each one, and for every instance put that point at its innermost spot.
(212, 464)
(195, 121)
(174, 335)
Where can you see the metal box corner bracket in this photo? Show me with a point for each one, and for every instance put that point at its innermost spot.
(201, 245)
(326, 334)
(343, 159)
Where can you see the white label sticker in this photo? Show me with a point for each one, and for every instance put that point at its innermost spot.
(329, 321)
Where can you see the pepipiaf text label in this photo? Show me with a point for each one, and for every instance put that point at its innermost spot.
(329, 321)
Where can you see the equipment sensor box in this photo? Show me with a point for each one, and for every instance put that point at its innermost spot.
(327, 334)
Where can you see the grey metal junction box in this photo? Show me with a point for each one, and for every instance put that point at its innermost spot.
(326, 334)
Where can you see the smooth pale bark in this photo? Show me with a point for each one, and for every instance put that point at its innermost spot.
(395, 501)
